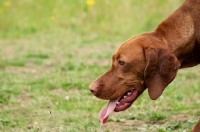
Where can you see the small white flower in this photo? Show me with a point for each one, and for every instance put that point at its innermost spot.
(67, 97)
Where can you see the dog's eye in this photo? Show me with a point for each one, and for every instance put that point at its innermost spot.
(121, 62)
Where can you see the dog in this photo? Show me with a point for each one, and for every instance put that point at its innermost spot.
(151, 60)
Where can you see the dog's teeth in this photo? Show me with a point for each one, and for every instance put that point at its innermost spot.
(125, 97)
(117, 103)
(128, 93)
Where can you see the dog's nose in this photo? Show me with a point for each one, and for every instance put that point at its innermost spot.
(92, 91)
(94, 88)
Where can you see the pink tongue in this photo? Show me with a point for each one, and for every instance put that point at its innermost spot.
(107, 110)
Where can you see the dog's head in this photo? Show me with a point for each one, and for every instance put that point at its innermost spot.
(141, 62)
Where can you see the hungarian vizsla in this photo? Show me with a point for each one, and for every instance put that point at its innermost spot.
(151, 60)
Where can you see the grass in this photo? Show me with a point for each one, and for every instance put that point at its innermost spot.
(50, 51)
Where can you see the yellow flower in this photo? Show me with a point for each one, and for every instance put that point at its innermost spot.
(6, 3)
(52, 18)
(90, 2)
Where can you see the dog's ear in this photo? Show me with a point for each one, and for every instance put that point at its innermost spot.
(161, 69)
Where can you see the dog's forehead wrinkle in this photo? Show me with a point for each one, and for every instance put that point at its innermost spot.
(122, 57)
(118, 56)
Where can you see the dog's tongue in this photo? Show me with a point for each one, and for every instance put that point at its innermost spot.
(107, 110)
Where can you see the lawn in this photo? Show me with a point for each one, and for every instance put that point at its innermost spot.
(50, 51)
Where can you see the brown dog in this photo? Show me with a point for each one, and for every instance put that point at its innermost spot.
(151, 60)
(196, 128)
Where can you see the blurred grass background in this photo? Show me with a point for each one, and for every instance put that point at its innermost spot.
(50, 51)
(26, 17)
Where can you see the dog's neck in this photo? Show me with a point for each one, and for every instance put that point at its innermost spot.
(179, 34)
(187, 52)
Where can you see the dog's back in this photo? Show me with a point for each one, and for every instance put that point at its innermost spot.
(194, 6)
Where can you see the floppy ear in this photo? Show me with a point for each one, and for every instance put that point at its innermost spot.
(161, 69)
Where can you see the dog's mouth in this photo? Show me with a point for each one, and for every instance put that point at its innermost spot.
(119, 104)
(126, 100)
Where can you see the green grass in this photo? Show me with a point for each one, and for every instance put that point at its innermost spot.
(50, 51)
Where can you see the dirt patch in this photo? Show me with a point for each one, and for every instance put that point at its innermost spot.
(29, 68)
(138, 125)
(23, 98)
(59, 92)
(66, 94)
(15, 69)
